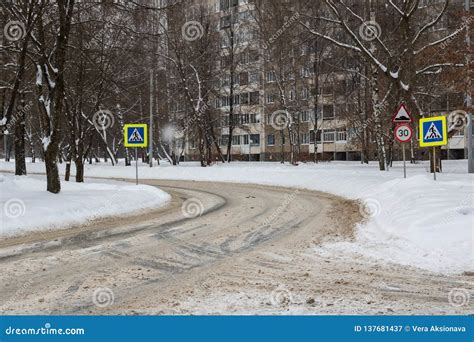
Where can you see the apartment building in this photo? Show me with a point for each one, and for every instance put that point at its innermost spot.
(250, 86)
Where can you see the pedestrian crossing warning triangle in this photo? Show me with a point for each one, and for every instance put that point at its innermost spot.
(433, 133)
(135, 137)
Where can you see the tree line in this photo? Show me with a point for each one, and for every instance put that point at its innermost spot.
(74, 72)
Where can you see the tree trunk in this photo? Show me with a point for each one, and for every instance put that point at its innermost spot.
(79, 170)
(7, 146)
(19, 141)
(202, 156)
(52, 173)
(282, 147)
(67, 174)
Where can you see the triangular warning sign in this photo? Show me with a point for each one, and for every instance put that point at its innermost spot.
(433, 133)
(135, 136)
(402, 115)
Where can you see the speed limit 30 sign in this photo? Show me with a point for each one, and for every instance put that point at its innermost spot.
(403, 133)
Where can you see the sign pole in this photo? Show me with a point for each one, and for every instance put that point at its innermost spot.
(433, 132)
(136, 165)
(403, 134)
(404, 162)
(135, 135)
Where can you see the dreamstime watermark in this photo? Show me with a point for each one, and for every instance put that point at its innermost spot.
(207, 284)
(192, 30)
(22, 290)
(192, 208)
(103, 119)
(14, 31)
(280, 119)
(463, 206)
(281, 296)
(14, 208)
(370, 207)
(459, 297)
(289, 198)
(103, 297)
(457, 120)
(370, 30)
(46, 330)
(21, 112)
(448, 41)
(280, 31)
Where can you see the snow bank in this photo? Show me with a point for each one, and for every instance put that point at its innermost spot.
(26, 206)
(414, 221)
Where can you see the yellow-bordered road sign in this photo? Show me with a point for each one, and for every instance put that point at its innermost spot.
(135, 135)
(433, 131)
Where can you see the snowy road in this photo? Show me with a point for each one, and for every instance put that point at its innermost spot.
(249, 250)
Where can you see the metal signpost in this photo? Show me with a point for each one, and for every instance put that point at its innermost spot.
(433, 132)
(135, 135)
(403, 134)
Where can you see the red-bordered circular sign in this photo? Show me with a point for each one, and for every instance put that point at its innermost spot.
(403, 133)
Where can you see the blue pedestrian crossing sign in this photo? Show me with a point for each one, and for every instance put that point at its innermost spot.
(135, 135)
(433, 131)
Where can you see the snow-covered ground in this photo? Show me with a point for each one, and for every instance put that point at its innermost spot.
(27, 206)
(415, 221)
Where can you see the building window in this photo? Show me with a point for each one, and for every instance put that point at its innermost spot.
(225, 120)
(244, 58)
(253, 56)
(236, 119)
(225, 42)
(270, 98)
(304, 138)
(315, 137)
(244, 98)
(327, 89)
(254, 77)
(245, 139)
(305, 72)
(304, 93)
(328, 112)
(224, 140)
(253, 118)
(341, 135)
(270, 140)
(254, 98)
(244, 118)
(270, 76)
(226, 81)
(225, 22)
(254, 139)
(244, 78)
(304, 116)
(236, 140)
(225, 4)
(225, 101)
(236, 80)
(328, 135)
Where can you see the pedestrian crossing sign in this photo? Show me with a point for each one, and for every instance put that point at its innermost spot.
(433, 131)
(135, 135)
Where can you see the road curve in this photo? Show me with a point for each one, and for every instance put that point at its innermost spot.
(216, 248)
